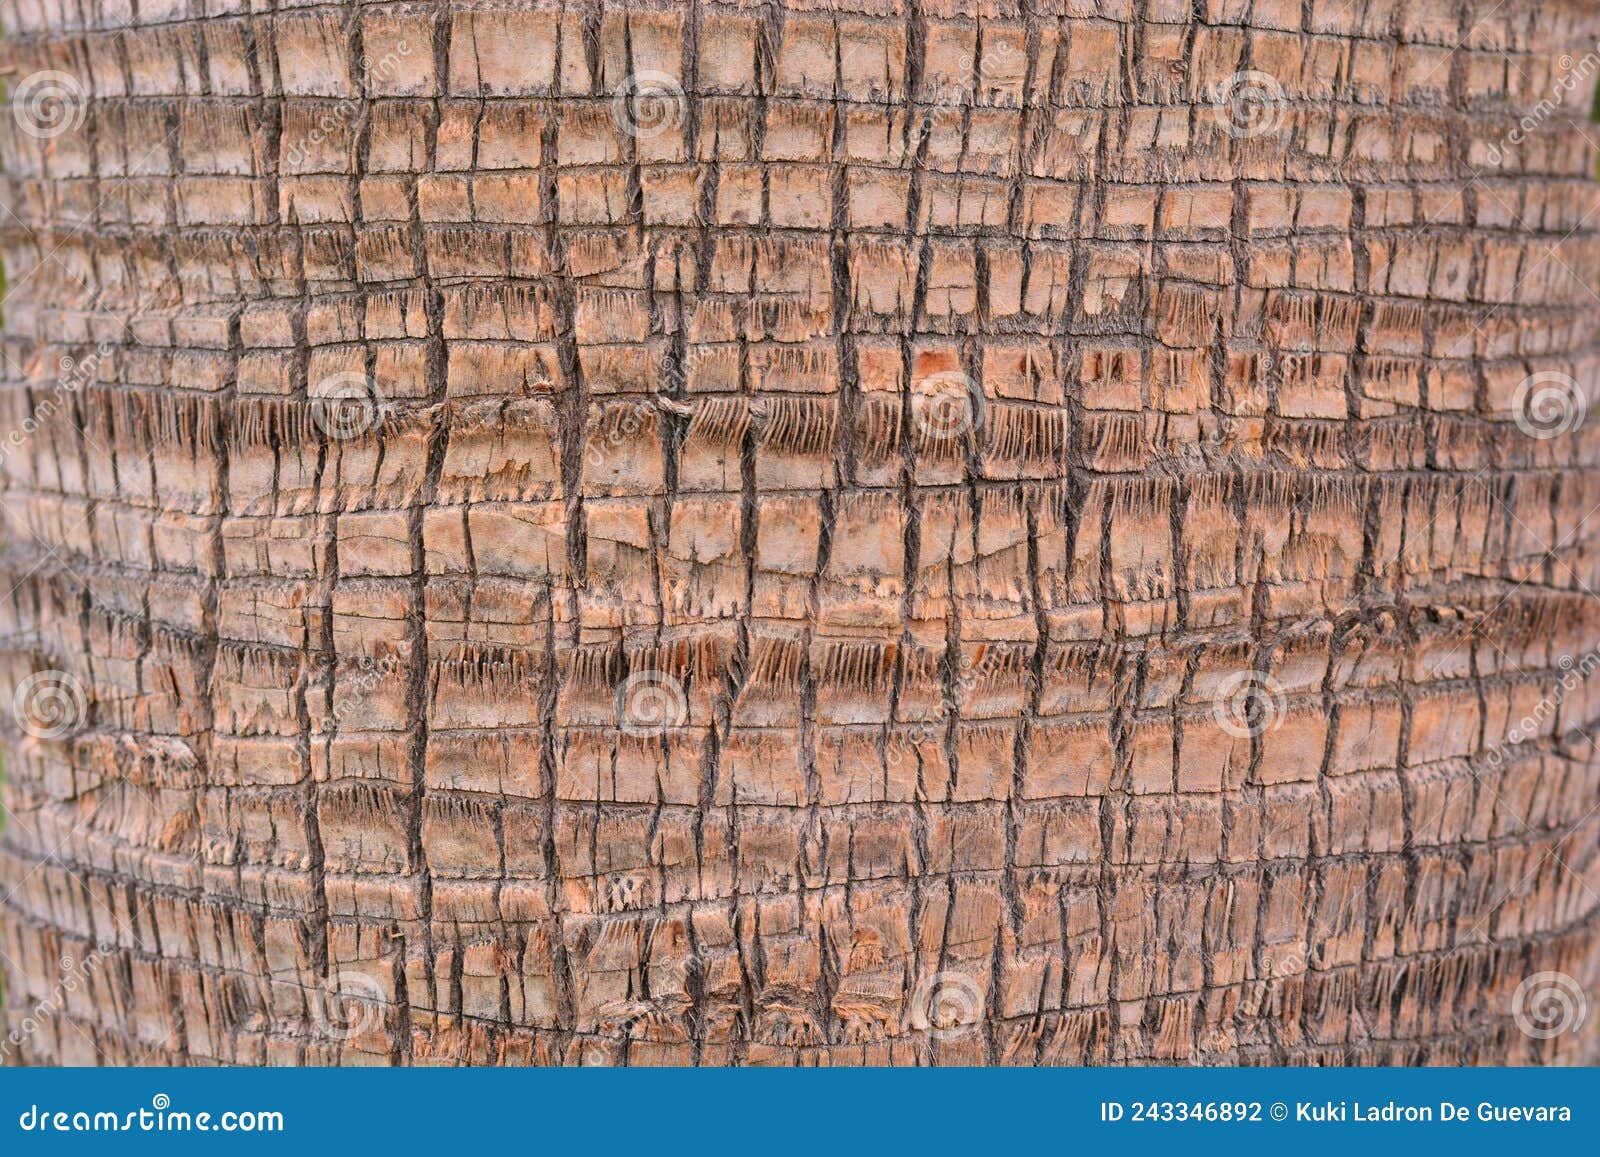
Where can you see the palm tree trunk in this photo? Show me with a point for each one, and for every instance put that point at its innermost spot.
(846, 533)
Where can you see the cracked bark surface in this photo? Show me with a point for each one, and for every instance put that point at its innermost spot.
(930, 549)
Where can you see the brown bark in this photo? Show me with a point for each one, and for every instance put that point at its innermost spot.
(850, 532)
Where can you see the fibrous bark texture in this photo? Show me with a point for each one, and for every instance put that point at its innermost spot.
(821, 531)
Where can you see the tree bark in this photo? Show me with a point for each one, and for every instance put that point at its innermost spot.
(827, 531)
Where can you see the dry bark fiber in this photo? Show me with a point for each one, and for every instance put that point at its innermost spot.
(828, 531)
